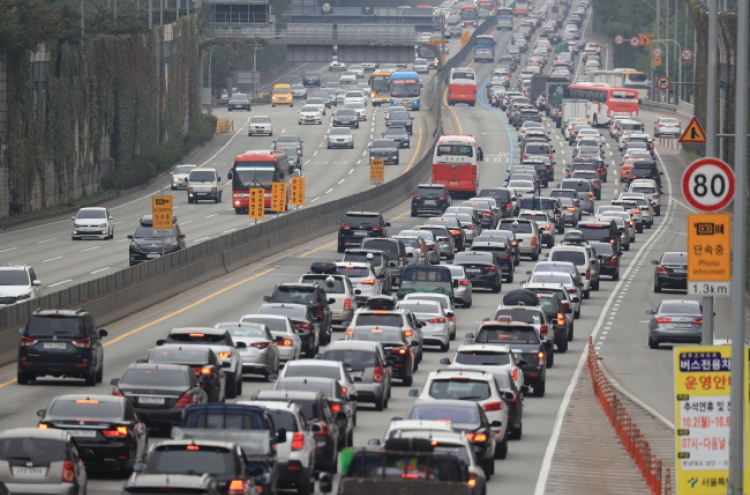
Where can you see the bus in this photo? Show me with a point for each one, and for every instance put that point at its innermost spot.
(462, 86)
(406, 89)
(257, 168)
(504, 18)
(624, 78)
(380, 87)
(454, 164)
(603, 99)
(469, 15)
(521, 8)
(487, 5)
(484, 48)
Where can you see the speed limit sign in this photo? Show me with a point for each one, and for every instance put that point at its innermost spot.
(619, 39)
(657, 52)
(708, 184)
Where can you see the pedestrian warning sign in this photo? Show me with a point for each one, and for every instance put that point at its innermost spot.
(645, 40)
(694, 133)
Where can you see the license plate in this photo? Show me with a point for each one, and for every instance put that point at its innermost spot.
(682, 325)
(473, 270)
(151, 400)
(430, 202)
(151, 256)
(55, 345)
(454, 183)
(360, 233)
(29, 471)
(679, 270)
(83, 433)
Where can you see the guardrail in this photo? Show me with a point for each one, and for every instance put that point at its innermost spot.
(133, 289)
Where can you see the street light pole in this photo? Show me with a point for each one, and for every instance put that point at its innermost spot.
(210, 56)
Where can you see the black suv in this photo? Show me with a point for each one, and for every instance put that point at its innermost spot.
(311, 295)
(146, 246)
(398, 118)
(430, 198)
(61, 342)
(311, 79)
(360, 224)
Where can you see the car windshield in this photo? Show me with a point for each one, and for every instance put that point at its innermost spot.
(384, 144)
(398, 116)
(377, 334)
(340, 131)
(94, 213)
(473, 257)
(373, 319)
(592, 232)
(460, 388)
(507, 334)
(154, 378)
(315, 101)
(346, 113)
(202, 176)
(309, 108)
(357, 359)
(395, 131)
(331, 285)
(576, 257)
(363, 220)
(287, 139)
(90, 409)
(674, 258)
(430, 191)
(198, 337)
(181, 169)
(604, 248)
(517, 227)
(439, 412)
(171, 459)
(14, 277)
(299, 313)
(281, 91)
(239, 98)
(312, 371)
(411, 242)
(354, 271)
(54, 325)
(273, 324)
(182, 355)
(38, 451)
(245, 331)
(680, 307)
(527, 316)
(420, 306)
(294, 294)
(482, 358)
(305, 386)
(389, 247)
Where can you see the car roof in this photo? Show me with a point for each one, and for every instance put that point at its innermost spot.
(493, 348)
(471, 374)
(204, 330)
(309, 362)
(49, 433)
(159, 366)
(362, 345)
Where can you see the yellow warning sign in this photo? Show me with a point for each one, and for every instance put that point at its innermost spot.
(255, 207)
(657, 61)
(377, 170)
(709, 247)
(465, 38)
(278, 196)
(162, 216)
(298, 191)
(694, 133)
(645, 40)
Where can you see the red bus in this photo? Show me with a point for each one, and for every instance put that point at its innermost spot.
(256, 168)
(521, 7)
(470, 15)
(603, 100)
(462, 86)
(454, 163)
(488, 5)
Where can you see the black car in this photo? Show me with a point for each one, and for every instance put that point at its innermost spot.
(503, 197)
(303, 320)
(482, 269)
(318, 414)
(559, 317)
(311, 295)
(311, 79)
(202, 360)
(454, 227)
(293, 157)
(61, 342)
(145, 246)
(159, 392)
(238, 101)
(523, 337)
(485, 210)
(398, 134)
(430, 198)
(501, 251)
(503, 236)
(345, 117)
(360, 224)
(671, 271)
(399, 118)
(609, 259)
(386, 150)
(107, 432)
(395, 347)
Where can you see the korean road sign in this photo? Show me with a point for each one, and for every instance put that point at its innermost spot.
(619, 39)
(663, 83)
(686, 54)
(657, 52)
(694, 133)
(256, 208)
(709, 244)
(161, 212)
(377, 170)
(298, 191)
(645, 40)
(278, 197)
(708, 184)
(635, 41)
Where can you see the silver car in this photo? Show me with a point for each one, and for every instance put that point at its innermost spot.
(368, 367)
(433, 253)
(341, 290)
(527, 235)
(41, 462)
(260, 124)
(290, 347)
(677, 321)
(363, 278)
(340, 137)
(299, 91)
(435, 325)
(623, 226)
(93, 223)
(445, 302)
(462, 288)
(416, 250)
(180, 176)
(667, 126)
(260, 356)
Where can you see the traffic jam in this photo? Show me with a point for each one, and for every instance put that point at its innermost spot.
(270, 402)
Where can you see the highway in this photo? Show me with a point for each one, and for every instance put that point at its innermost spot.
(614, 315)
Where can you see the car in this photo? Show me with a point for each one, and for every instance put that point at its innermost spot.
(624, 225)
(320, 103)
(311, 295)
(107, 432)
(436, 328)
(201, 359)
(667, 126)
(559, 313)
(61, 343)
(49, 462)
(204, 184)
(348, 77)
(357, 225)
(581, 256)
(482, 269)
(670, 271)
(159, 392)
(18, 283)
(340, 95)
(145, 246)
(386, 150)
(644, 205)
(224, 98)
(354, 96)
(339, 289)
(294, 159)
(649, 188)
(381, 311)
(281, 94)
(527, 235)
(399, 134)
(395, 251)
(238, 101)
(259, 124)
(586, 193)
(261, 352)
(311, 78)
(501, 249)
(570, 212)
(551, 281)
(379, 262)
(678, 321)
(416, 250)
(359, 108)
(367, 363)
(358, 70)
(290, 344)
(180, 175)
(345, 117)
(303, 321)
(340, 137)
(601, 230)
(531, 315)
(221, 342)
(490, 358)
(430, 198)
(433, 253)
(363, 279)
(420, 66)
(228, 466)
(335, 65)
(93, 223)
(299, 91)
(609, 259)
(399, 118)
(149, 483)
(289, 141)
(395, 347)
(310, 114)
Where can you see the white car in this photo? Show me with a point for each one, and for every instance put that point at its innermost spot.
(369, 65)
(364, 280)
(260, 124)
(93, 223)
(667, 126)
(354, 96)
(358, 70)
(310, 114)
(445, 302)
(522, 187)
(649, 188)
(180, 176)
(18, 283)
(280, 326)
(348, 77)
(421, 66)
(491, 357)
(336, 65)
(317, 102)
(436, 328)
(359, 108)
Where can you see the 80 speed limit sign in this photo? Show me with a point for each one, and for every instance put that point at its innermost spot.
(708, 184)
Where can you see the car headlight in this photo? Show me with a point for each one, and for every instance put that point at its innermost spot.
(76, 226)
(135, 247)
(23, 296)
(102, 226)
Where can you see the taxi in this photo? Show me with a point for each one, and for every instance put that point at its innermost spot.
(281, 94)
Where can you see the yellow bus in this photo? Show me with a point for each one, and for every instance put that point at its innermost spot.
(380, 87)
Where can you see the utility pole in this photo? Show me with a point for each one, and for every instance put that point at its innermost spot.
(161, 12)
(115, 12)
(736, 427)
(150, 14)
(658, 37)
(81, 18)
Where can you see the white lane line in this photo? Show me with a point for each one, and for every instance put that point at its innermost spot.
(283, 130)
(329, 191)
(214, 155)
(185, 223)
(52, 259)
(212, 215)
(228, 231)
(544, 472)
(100, 270)
(308, 161)
(122, 240)
(365, 152)
(230, 209)
(118, 223)
(47, 240)
(60, 283)
(316, 152)
(313, 200)
(358, 162)
(341, 181)
(9, 249)
(89, 249)
(352, 170)
(201, 239)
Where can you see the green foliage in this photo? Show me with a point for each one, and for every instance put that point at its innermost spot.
(25, 24)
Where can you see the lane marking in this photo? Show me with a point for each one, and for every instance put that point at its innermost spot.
(329, 191)
(455, 116)
(60, 283)
(47, 240)
(350, 172)
(341, 181)
(90, 249)
(52, 259)
(416, 151)
(9, 249)
(201, 239)
(213, 215)
(228, 231)
(100, 270)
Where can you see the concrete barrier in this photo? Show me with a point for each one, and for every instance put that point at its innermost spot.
(685, 109)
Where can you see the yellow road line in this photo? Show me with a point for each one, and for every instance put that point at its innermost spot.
(400, 216)
(318, 249)
(416, 151)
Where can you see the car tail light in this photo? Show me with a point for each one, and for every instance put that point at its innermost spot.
(261, 345)
(566, 304)
(117, 392)
(436, 320)
(489, 269)
(303, 326)
(663, 320)
(474, 178)
(347, 304)
(431, 246)
(378, 376)
(298, 441)
(548, 227)
(533, 241)
(611, 262)
(400, 350)
(28, 342)
(478, 437)
(699, 321)
(543, 330)
(507, 206)
(408, 333)
(417, 197)
(433, 177)
(571, 208)
(69, 472)
(378, 228)
(83, 343)
(442, 198)
(463, 282)
(119, 432)
(335, 408)
(455, 232)
(591, 196)
(504, 257)
(472, 479)
(225, 355)
(185, 400)
(369, 281)
(540, 360)
(661, 270)
(236, 487)
(588, 273)
(493, 406)
(345, 226)
(285, 343)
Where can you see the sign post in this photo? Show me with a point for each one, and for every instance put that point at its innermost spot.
(162, 218)
(278, 197)
(377, 171)
(298, 192)
(255, 206)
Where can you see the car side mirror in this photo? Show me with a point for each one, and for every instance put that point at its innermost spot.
(36, 283)
(103, 333)
(373, 442)
(73, 218)
(650, 312)
(331, 301)
(575, 299)
(525, 389)
(130, 237)
(181, 236)
(357, 378)
(469, 335)
(654, 262)
(161, 342)
(445, 361)
(496, 424)
(140, 361)
(41, 412)
(387, 224)
(267, 299)
(409, 255)
(619, 253)
(138, 467)
(229, 174)
(414, 392)
(273, 377)
(315, 428)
